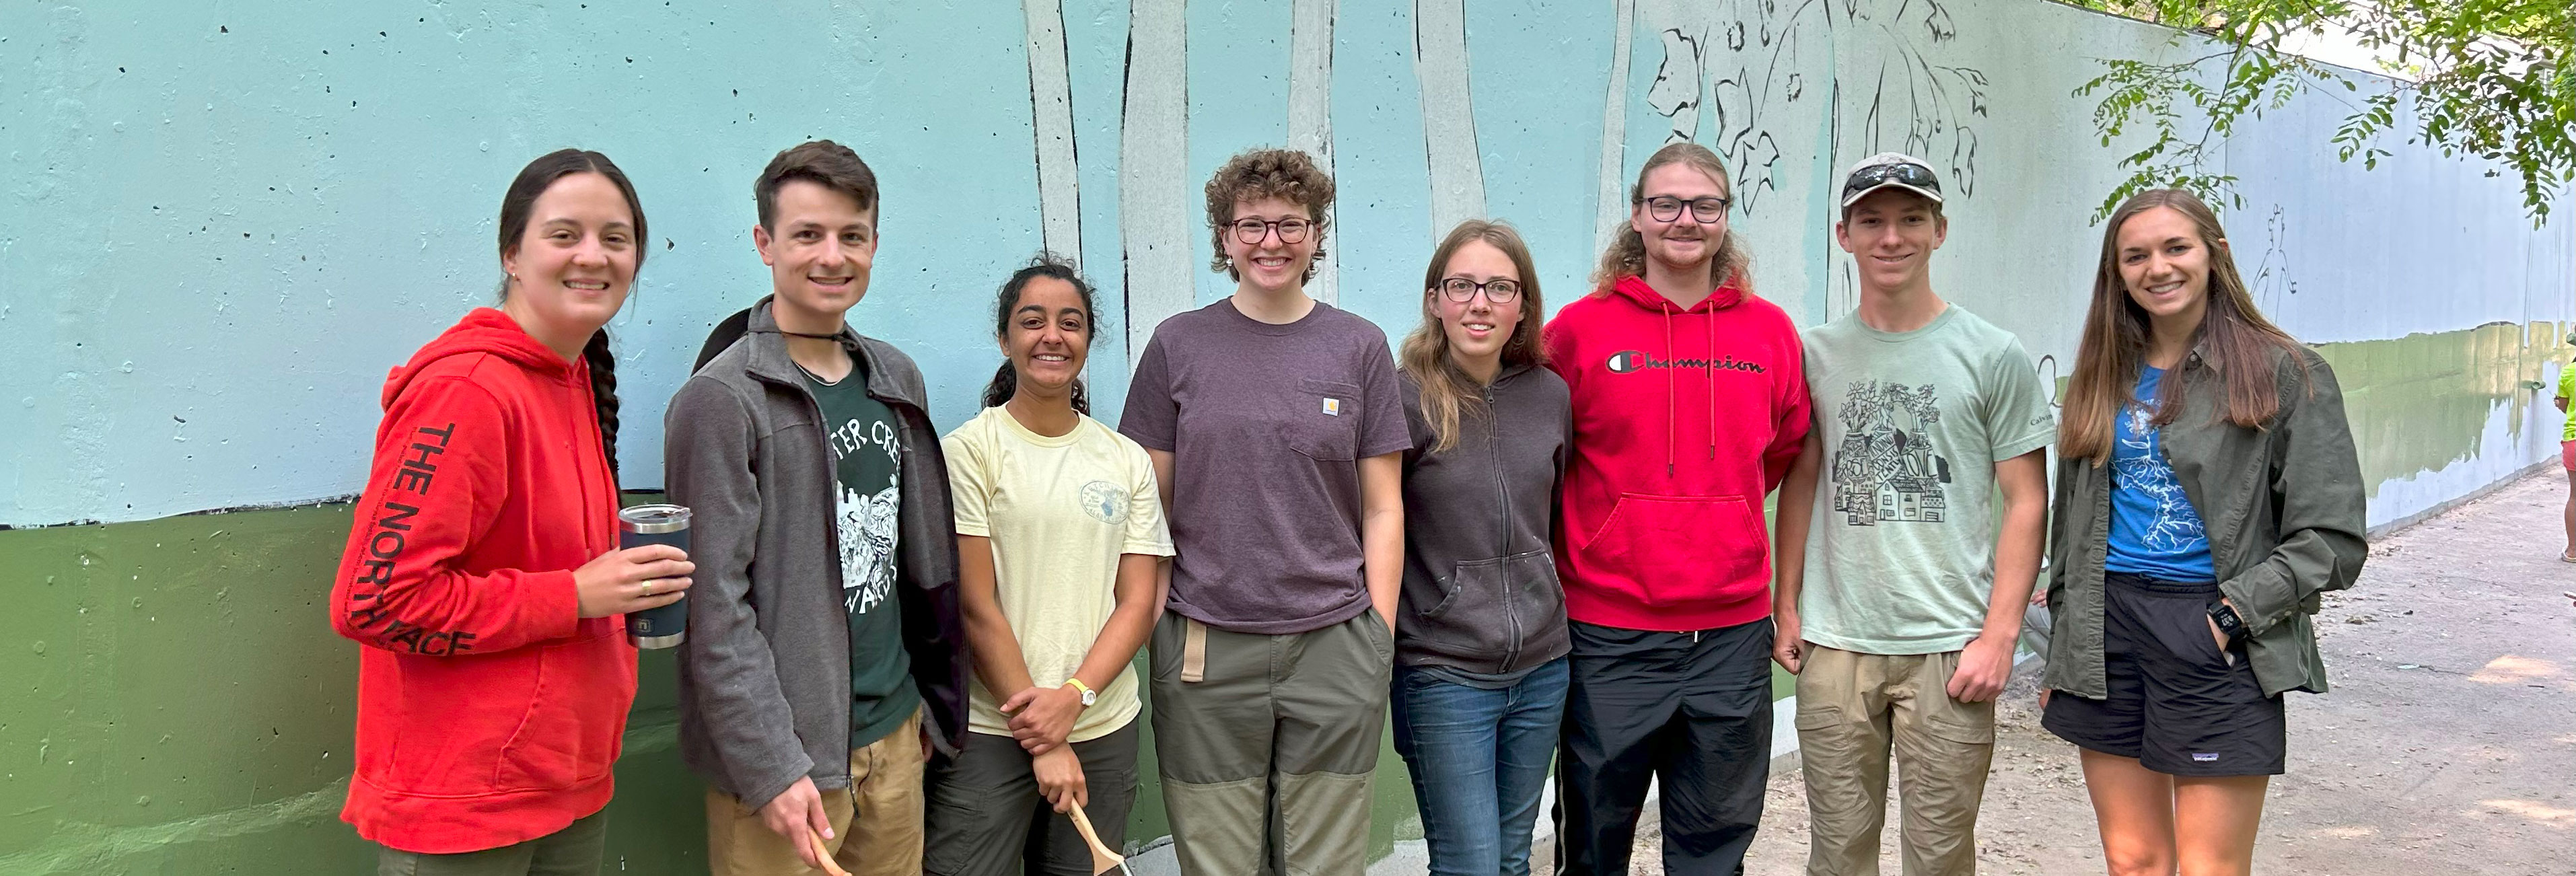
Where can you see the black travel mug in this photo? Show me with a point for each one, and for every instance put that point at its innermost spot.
(641, 525)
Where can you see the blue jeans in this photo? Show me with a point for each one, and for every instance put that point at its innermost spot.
(1479, 761)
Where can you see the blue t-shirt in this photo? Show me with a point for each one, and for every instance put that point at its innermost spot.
(2154, 529)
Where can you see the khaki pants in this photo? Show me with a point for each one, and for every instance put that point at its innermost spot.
(876, 821)
(1266, 744)
(1853, 711)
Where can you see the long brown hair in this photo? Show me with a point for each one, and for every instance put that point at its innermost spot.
(2233, 339)
(1448, 390)
(1626, 256)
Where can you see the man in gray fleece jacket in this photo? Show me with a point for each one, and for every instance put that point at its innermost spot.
(825, 655)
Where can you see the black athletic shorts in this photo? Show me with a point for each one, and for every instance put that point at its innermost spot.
(2177, 704)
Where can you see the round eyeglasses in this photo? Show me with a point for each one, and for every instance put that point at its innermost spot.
(1665, 208)
(1252, 231)
(1463, 290)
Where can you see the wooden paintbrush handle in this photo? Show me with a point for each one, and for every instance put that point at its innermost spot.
(1101, 857)
(823, 853)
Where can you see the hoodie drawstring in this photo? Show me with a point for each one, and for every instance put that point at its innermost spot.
(1672, 392)
(1709, 373)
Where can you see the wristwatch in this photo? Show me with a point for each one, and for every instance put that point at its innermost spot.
(1090, 696)
(2229, 625)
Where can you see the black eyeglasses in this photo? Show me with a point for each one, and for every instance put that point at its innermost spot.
(1463, 290)
(1666, 208)
(1251, 231)
(1914, 175)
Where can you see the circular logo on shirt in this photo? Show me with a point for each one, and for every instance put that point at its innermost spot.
(1626, 361)
(1105, 502)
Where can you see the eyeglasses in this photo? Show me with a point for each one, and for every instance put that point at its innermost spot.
(1463, 290)
(1252, 231)
(1666, 208)
(1914, 175)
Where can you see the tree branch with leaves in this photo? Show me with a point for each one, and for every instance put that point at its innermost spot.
(2484, 78)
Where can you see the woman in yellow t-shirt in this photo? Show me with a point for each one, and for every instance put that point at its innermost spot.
(1059, 534)
(2567, 451)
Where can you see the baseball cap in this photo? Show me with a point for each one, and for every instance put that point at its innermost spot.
(1890, 169)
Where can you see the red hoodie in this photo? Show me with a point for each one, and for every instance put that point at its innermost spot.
(1683, 421)
(489, 711)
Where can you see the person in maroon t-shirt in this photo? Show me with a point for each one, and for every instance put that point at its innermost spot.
(1275, 424)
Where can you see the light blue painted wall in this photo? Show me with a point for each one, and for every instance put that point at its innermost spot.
(227, 220)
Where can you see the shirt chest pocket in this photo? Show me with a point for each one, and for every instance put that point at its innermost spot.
(1323, 422)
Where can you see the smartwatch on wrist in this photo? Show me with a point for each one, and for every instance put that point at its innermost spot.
(1088, 695)
(2229, 625)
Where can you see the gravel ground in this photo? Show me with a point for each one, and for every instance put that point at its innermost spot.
(2448, 744)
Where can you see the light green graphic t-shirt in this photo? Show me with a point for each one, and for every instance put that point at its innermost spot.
(1900, 553)
(2567, 390)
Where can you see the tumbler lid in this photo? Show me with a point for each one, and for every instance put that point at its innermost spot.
(653, 519)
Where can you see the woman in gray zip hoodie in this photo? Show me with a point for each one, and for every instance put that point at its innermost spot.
(1480, 639)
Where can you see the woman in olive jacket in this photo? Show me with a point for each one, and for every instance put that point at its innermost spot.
(2207, 492)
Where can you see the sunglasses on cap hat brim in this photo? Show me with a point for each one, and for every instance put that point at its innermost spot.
(1905, 174)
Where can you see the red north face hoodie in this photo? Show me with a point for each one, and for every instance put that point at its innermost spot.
(1683, 421)
(489, 712)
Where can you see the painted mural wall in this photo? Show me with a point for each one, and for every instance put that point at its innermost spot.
(225, 222)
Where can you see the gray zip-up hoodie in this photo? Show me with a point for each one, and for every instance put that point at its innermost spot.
(1480, 590)
(765, 675)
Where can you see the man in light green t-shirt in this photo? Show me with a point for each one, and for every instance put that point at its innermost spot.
(1899, 601)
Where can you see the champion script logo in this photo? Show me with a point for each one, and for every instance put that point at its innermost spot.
(1630, 361)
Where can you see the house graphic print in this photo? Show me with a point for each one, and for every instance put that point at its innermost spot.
(1886, 469)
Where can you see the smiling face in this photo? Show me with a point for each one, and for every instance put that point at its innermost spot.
(1685, 243)
(1049, 336)
(571, 269)
(2164, 263)
(818, 246)
(1477, 328)
(1272, 265)
(1891, 234)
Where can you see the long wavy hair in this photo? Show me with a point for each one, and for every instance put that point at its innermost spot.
(2234, 340)
(1626, 256)
(1447, 390)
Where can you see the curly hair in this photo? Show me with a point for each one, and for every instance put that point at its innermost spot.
(1287, 174)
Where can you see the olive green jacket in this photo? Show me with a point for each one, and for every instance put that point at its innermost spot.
(2281, 505)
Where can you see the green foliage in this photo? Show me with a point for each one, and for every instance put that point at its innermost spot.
(2489, 78)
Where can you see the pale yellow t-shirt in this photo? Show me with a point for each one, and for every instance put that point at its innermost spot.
(1060, 511)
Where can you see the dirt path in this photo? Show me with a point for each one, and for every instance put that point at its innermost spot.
(2448, 744)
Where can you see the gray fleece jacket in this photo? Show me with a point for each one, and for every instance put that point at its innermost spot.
(765, 674)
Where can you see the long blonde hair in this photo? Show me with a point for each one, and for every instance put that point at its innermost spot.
(1626, 256)
(1448, 390)
(2235, 339)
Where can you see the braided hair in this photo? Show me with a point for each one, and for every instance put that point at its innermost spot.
(516, 205)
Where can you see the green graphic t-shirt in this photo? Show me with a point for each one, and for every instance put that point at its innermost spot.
(868, 464)
(1900, 553)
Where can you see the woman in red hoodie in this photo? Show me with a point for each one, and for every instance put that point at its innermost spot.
(483, 573)
(1689, 405)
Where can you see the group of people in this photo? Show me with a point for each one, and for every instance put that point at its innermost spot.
(1538, 544)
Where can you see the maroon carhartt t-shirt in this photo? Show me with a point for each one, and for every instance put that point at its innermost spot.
(1266, 425)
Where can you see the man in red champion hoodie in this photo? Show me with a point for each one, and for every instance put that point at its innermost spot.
(1690, 403)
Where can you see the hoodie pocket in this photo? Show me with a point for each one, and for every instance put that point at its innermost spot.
(1681, 549)
(1325, 423)
(570, 734)
(1490, 609)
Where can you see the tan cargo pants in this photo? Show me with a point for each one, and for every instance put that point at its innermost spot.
(1854, 710)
